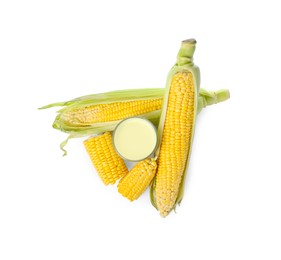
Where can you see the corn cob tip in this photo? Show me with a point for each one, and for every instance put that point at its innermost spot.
(185, 54)
(164, 214)
(189, 41)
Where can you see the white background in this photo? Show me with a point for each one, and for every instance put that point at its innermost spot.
(55, 207)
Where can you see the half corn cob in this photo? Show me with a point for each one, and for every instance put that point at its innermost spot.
(109, 165)
(176, 128)
(138, 179)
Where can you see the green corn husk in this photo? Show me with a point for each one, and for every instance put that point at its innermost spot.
(207, 97)
(110, 97)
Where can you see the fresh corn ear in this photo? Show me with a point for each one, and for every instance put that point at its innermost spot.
(138, 179)
(176, 128)
(97, 113)
(109, 165)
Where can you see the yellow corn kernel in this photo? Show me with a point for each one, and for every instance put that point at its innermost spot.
(137, 180)
(176, 140)
(109, 165)
(87, 115)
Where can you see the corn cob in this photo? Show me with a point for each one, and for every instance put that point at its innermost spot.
(176, 129)
(90, 114)
(109, 165)
(138, 179)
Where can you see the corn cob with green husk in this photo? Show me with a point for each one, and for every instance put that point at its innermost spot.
(176, 130)
(98, 113)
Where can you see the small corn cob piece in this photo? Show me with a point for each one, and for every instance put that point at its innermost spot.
(109, 165)
(176, 129)
(137, 180)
